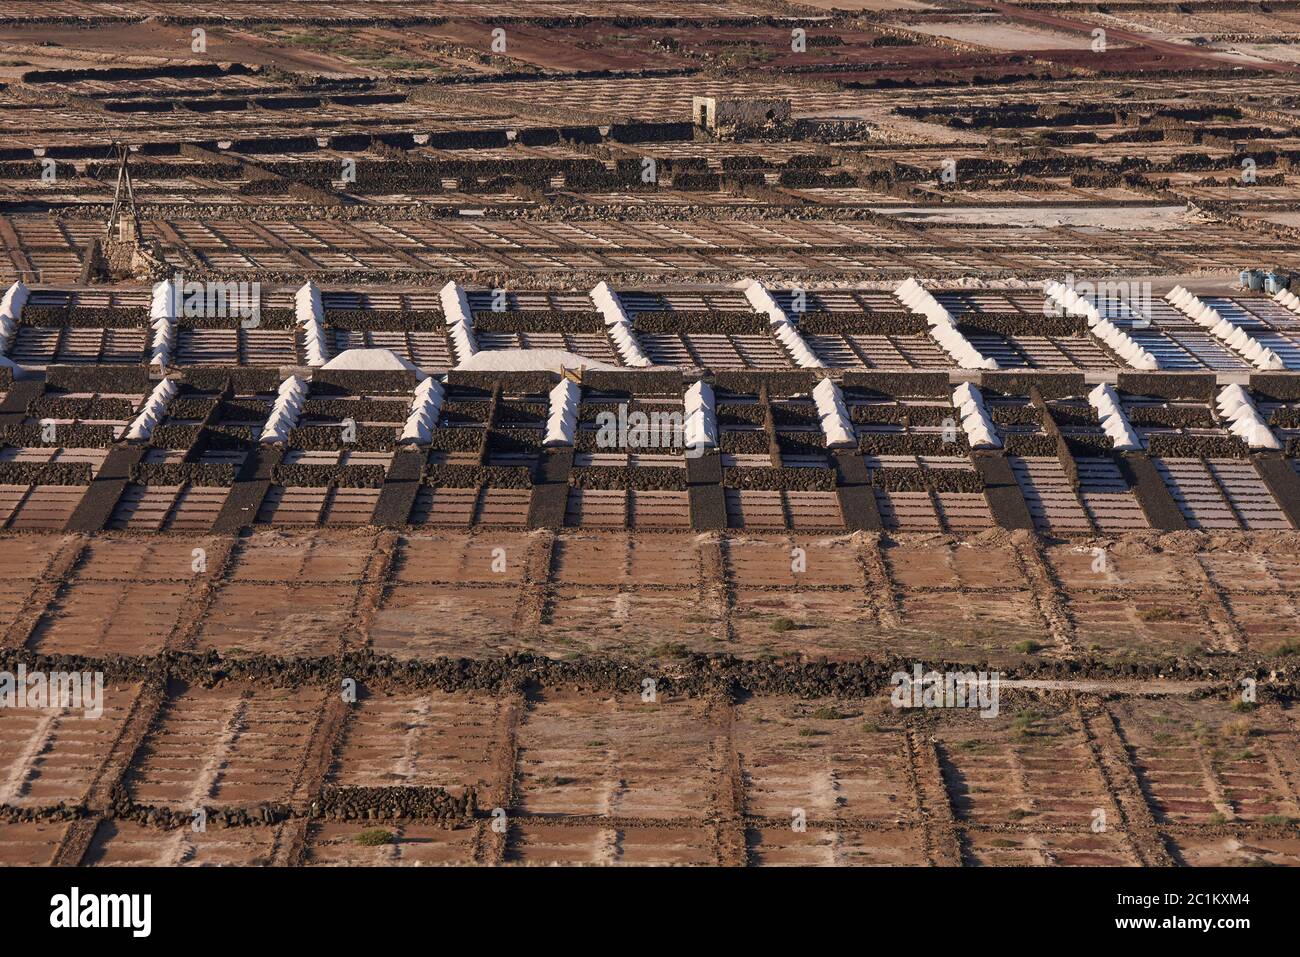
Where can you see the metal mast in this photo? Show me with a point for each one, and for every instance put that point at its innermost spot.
(128, 221)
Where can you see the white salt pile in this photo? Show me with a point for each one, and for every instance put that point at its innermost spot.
(372, 360)
(529, 360)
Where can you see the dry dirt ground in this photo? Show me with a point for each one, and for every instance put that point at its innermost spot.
(767, 737)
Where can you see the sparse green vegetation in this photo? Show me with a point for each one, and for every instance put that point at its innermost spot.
(782, 624)
(343, 44)
(827, 713)
(400, 63)
(1026, 647)
(374, 837)
(315, 40)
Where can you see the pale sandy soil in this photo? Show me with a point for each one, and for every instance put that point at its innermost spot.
(875, 5)
(1121, 218)
(154, 42)
(1004, 36)
(1276, 52)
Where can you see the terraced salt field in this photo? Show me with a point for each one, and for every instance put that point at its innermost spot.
(555, 435)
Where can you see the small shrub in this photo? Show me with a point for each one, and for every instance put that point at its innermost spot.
(552, 781)
(670, 649)
(1239, 728)
(374, 837)
(829, 714)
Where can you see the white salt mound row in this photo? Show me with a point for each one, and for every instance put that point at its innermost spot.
(960, 348)
(459, 319)
(701, 425)
(1232, 335)
(163, 344)
(1119, 341)
(286, 410)
(619, 326)
(834, 416)
(762, 300)
(975, 421)
(12, 302)
(945, 332)
(153, 411)
(1244, 420)
(163, 303)
(1113, 420)
(162, 317)
(11, 310)
(309, 312)
(463, 342)
(425, 408)
(789, 336)
(562, 419)
(1287, 298)
(629, 349)
(785, 331)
